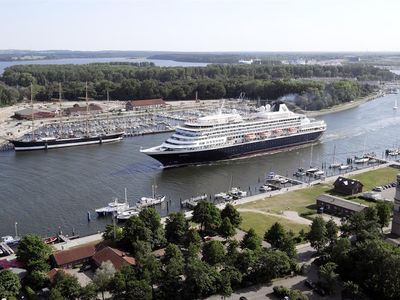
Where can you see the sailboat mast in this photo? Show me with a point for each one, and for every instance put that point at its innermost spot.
(33, 115)
(59, 102)
(87, 111)
(334, 152)
(311, 155)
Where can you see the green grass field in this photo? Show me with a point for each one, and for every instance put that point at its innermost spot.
(377, 177)
(261, 223)
(303, 200)
(300, 201)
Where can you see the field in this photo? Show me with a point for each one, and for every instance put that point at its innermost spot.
(377, 177)
(303, 201)
(261, 223)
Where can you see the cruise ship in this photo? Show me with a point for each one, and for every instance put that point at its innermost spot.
(230, 135)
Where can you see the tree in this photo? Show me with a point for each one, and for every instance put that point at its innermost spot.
(135, 232)
(230, 277)
(152, 220)
(34, 253)
(207, 215)
(109, 233)
(317, 234)
(351, 290)
(213, 252)
(328, 274)
(232, 214)
(89, 292)
(201, 279)
(138, 289)
(192, 237)
(331, 231)
(9, 284)
(55, 294)
(275, 235)
(226, 229)
(67, 285)
(103, 276)
(174, 266)
(288, 246)
(269, 265)
(384, 212)
(176, 227)
(251, 240)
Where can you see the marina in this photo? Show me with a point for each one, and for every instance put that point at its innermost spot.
(41, 175)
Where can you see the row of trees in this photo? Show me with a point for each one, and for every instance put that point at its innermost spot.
(118, 72)
(191, 268)
(360, 255)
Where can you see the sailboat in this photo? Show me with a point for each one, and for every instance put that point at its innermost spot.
(150, 201)
(334, 164)
(395, 105)
(44, 143)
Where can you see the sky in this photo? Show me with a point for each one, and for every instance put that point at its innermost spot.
(201, 25)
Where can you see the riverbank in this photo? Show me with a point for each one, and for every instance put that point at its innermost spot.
(344, 106)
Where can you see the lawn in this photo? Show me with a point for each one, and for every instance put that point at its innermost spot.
(377, 177)
(261, 223)
(301, 201)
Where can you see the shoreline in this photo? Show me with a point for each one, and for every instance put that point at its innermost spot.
(344, 106)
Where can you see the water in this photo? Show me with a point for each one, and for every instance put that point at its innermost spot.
(45, 191)
(80, 61)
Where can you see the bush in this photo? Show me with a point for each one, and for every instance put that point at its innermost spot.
(281, 291)
(30, 293)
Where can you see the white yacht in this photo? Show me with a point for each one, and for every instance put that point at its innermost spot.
(112, 207)
(227, 136)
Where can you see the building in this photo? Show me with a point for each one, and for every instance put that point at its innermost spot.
(71, 257)
(338, 206)
(347, 186)
(396, 209)
(26, 114)
(77, 110)
(115, 256)
(145, 104)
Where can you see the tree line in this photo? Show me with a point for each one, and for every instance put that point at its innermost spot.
(124, 81)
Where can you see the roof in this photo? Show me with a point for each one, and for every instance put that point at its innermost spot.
(340, 202)
(52, 273)
(115, 256)
(347, 182)
(147, 102)
(159, 253)
(77, 108)
(75, 254)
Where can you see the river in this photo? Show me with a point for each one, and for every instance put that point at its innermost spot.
(81, 61)
(47, 190)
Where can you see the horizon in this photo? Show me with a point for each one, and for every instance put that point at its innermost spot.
(201, 25)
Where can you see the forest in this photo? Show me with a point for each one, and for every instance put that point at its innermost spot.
(315, 86)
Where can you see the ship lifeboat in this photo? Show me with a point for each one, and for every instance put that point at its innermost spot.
(278, 132)
(249, 137)
(292, 130)
(265, 134)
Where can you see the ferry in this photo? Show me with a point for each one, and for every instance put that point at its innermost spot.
(225, 136)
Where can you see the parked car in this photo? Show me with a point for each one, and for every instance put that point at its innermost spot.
(310, 284)
(377, 189)
(320, 291)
